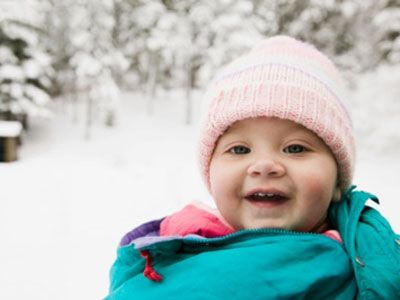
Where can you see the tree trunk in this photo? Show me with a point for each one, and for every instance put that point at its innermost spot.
(189, 87)
(74, 99)
(89, 114)
(151, 81)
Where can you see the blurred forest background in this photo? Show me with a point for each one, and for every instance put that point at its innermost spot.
(86, 52)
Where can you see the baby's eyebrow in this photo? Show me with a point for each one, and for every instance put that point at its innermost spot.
(309, 135)
(304, 133)
(229, 133)
(228, 139)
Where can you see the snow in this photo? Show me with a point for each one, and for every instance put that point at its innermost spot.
(31, 68)
(67, 202)
(21, 10)
(11, 72)
(7, 56)
(37, 95)
(10, 128)
(86, 65)
(376, 110)
(16, 90)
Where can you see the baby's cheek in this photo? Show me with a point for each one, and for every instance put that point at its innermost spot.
(319, 187)
(217, 184)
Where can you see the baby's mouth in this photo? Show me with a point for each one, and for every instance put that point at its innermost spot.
(267, 198)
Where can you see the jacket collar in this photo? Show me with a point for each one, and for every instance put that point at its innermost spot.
(345, 214)
(149, 229)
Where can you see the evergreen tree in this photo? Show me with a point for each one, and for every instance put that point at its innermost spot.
(25, 73)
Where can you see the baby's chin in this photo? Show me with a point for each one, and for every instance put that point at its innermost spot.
(260, 225)
(266, 224)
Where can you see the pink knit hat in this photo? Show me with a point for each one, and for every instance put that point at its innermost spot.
(285, 78)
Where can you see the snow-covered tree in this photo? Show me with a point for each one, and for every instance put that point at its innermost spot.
(84, 53)
(25, 72)
(387, 24)
(171, 44)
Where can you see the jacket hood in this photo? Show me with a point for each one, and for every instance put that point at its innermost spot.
(373, 247)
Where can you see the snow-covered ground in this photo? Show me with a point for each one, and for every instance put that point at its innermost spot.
(67, 202)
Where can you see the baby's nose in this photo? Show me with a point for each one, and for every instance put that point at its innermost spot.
(266, 167)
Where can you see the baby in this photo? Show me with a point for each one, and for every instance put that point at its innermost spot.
(277, 154)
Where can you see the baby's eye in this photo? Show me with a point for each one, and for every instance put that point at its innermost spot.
(239, 150)
(294, 149)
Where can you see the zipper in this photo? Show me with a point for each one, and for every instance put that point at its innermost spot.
(237, 234)
(271, 231)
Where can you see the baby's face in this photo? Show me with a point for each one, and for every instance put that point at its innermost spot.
(272, 173)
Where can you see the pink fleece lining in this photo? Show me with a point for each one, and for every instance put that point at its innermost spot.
(194, 220)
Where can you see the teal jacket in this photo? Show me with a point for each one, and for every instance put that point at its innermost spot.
(265, 263)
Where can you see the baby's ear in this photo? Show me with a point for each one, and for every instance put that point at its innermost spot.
(337, 194)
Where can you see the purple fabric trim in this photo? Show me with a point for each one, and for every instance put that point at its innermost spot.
(149, 229)
(145, 241)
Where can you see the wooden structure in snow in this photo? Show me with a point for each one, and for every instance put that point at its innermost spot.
(10, 133)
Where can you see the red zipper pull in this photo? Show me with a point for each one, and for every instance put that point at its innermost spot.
(149, 271)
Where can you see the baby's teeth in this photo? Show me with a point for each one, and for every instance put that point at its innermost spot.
(263, 195)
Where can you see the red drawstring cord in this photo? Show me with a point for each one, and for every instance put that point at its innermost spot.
(149, 272)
